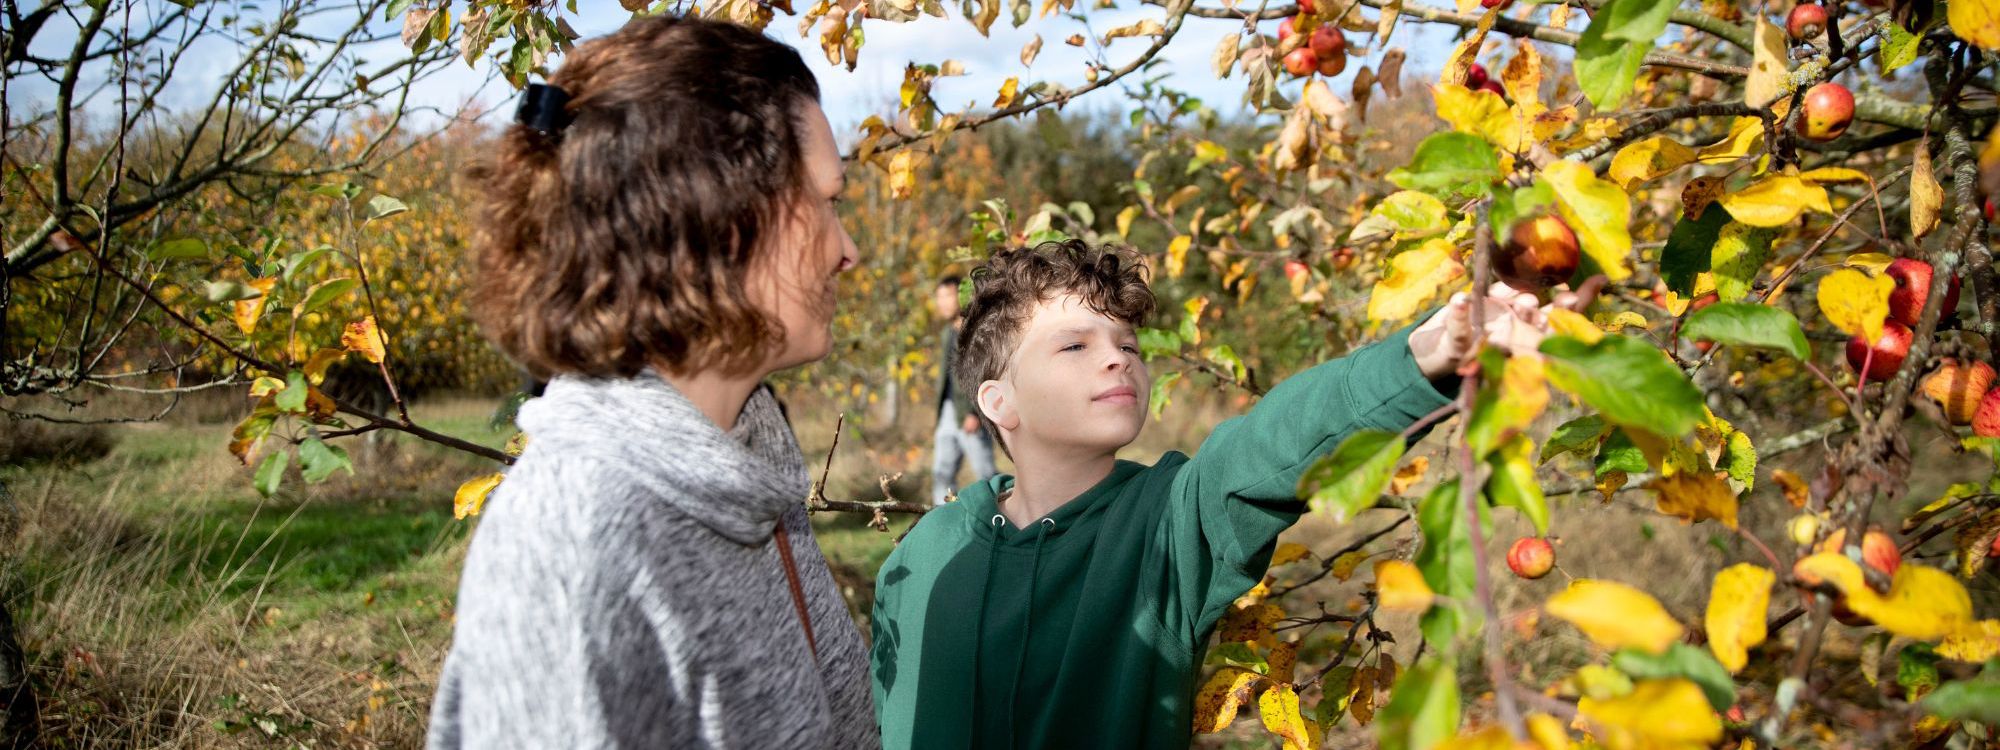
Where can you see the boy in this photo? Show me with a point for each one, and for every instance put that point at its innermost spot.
(1070, 605)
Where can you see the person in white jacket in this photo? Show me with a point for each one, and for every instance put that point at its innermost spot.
(656, 236)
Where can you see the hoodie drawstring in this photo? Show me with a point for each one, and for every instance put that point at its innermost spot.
(979, 619)
(1028, 634)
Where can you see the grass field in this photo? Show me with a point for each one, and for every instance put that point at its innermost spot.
(164, 603)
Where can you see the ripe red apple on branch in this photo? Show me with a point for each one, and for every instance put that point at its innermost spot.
(1301, 62)
(1827, 111)
(1913, 288)
(1540, 252)
(1986, 418)
(1531, 557)
(1806, 21)
(1889, 352)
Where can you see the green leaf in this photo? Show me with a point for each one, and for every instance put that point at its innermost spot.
(1681, 660)
(1155, 343)
(1509, 205)
(293, 397)
(1227, 359)
(1606, 68)
(1352, 477)
(1739, 458)
(1423, 708)
(1405, 214)
(1739, 255)
(1513, 483)
(1627, 380)
(1447, 564)
(1640, 21)
(1577, 436)
(1967, 700)
(1916, 669)
(271, 473)
(395, 9)
(1160, 397)
(180, 248)
(1497, 414)
(303, 259)
(1689, 248)
(317, 460)
(1333, 703)
(230, 291)
(322, 294)
(1617, 453)
(1738, 324)
(382, 207)
(1898, 47)
(1450, 164)
(341, 190)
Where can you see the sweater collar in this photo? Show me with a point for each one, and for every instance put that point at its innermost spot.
(736, 483)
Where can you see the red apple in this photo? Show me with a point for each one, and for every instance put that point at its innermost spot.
(1806, 21)
(1958, 388)
(1285, 29)
(1495, 3)
(1495, 87)
(1295, 268)
(1344, 258)
(1878, 551)
(1699, 303)
(1331, 65)
(1309, 7)
(1328, 42)
(1889, 351)
(1301, 62)
(1541, 252)
(1531, 557)
(1829, 108)
(1913, 288)
(1475, 75)
(1986, 420)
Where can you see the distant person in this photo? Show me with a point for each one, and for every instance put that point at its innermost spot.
(656, 237)
(959, 437)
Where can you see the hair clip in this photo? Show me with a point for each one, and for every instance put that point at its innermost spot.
(541, 108)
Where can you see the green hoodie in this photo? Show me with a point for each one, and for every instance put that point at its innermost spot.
(1088, 629)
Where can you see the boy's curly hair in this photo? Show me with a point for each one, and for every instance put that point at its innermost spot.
(1109, 280)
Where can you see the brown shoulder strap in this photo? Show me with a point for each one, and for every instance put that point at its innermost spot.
(798, 592)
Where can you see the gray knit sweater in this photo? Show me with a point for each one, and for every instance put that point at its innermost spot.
(623, 588)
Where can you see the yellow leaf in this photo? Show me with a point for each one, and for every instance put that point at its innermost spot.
(1648, 159)
(1825, 175)
(1177, 255)
(1344, 565)
(1696, 496)
(1873, 263)
(1481, 113)
(1975, 21)
(248, 311)
(903, 174)
(1215, 705)
(1180, 197)
(364, 338)
(1598, 212)
(1250, 624)
(1280, 709)
(1621, 320)
(1009, 91)
(315, 369)
(1547, 730)
(1401, 587)
(1523, 74)
(1856, 302)
(1775, 201)
(1125, 218)
(1145, 27)
(1736, 608)
(1796, 492)
(1769, 77)
(1492, 737)
(1746, 134)
(1923, 602)
(1283, 659)
(1414, 277)
(265, 386)
(1670, 713)
(471, 496)
(1973, 643)
(1409, 475)
(1570, 323)
(1926, 195)
(1614, 615)
(1289, 552)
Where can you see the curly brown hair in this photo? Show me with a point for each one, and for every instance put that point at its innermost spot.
(1109, 280)
(624, 239)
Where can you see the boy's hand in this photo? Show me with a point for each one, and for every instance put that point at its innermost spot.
(1515, 321)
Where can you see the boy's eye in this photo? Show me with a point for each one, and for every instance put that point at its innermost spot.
(1073, 347)
(1131, 348)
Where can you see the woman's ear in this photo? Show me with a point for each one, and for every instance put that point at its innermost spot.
(996, 400)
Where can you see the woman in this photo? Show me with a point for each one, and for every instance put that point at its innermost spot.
(657, 237)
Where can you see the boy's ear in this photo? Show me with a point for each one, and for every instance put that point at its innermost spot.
(996, 400)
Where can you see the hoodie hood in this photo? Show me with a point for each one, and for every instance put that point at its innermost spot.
(736, 483)
(981, 501)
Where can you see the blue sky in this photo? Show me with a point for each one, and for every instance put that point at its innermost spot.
(849, 97)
